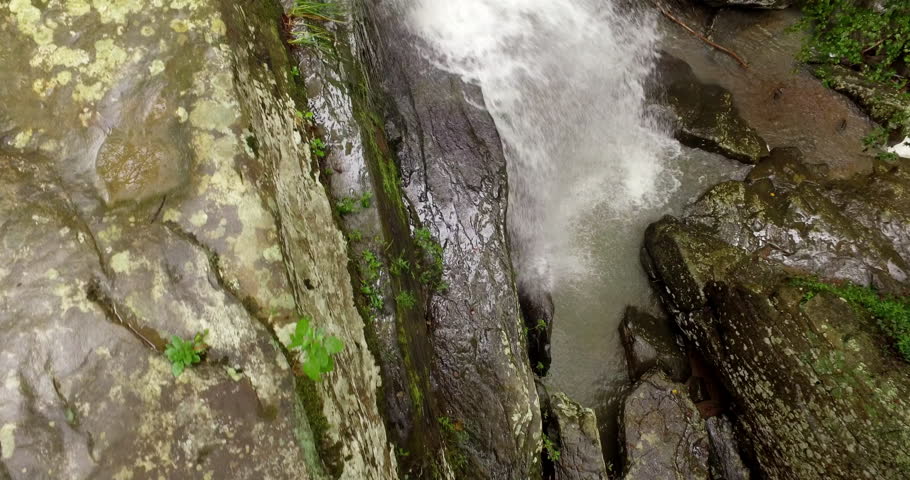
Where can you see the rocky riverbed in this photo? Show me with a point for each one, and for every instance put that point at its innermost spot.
(222, 170)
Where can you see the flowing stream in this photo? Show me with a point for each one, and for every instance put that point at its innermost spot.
(589, 167)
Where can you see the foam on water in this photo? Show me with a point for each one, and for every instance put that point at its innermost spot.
(564, 81)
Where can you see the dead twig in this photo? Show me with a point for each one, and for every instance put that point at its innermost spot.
(705, 39)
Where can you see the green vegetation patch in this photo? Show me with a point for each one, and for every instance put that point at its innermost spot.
(892, 313)
(311, 23)
(185, 353)
(317, 348)
(874, 41)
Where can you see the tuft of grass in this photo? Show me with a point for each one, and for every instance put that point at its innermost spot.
(399, 266)
(317, 348)
(891, 313)
(186, 353)
(406, 300)
(311, 23)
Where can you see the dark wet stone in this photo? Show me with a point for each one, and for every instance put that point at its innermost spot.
(761, 4)
(885, 105)
(575, 436)
(816, 390)
(649, 342)
(664, 435)
(725, 461)
(453, 174)
(705, 115)
(537, 309)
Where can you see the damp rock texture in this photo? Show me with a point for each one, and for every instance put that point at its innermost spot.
(818, 392)
(886, 106)
(154, 183)
(760, 4)
(575, 451)
(453, 174)
(664, 435)
(649, 342)
(705, 116)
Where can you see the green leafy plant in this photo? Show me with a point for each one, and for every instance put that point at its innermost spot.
(852, 33)
(541, 324)
(295, 71)
(316, 347)
(431, 272)
(366, 200)
(406, 300)
(399, 266)
(891, 313)
(369, 271)
(355, 235)
(552, 452)
(317, 147)
(346, 206)
(185, 353)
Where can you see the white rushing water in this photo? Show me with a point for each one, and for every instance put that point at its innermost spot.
(589, 168)
(564, 80)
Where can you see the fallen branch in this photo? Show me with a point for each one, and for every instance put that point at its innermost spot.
(705, 39)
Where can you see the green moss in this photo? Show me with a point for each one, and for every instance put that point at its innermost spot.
(892, 313)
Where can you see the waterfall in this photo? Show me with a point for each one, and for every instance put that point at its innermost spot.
(589, 163)
(564, 82)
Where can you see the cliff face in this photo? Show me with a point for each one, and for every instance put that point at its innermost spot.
(155, 183)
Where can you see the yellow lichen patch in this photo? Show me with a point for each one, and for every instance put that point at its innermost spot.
(77, 8)
(115, 11)
(28, 21)
(156, 67)
(7, 440)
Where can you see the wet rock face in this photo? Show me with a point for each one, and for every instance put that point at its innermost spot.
(537, 310)
(454, 177)
(649, 343)
(749, 3)
(725, 461)
(574, 429)
(133, 208)
(886, 106)
(664, 435)
(817, 391)
(705, 116)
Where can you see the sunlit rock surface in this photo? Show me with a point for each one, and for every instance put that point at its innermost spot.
(154, 183)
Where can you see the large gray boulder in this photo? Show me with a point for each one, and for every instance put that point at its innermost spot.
(817, 389)
(664, 435)
(154, 183)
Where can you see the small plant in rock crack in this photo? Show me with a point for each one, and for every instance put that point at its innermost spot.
(406, 300)
(552, 452)
(317, 348)
(186, 353)
(399, 266)
(346, 206)
(366, 200)
(317, 147)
